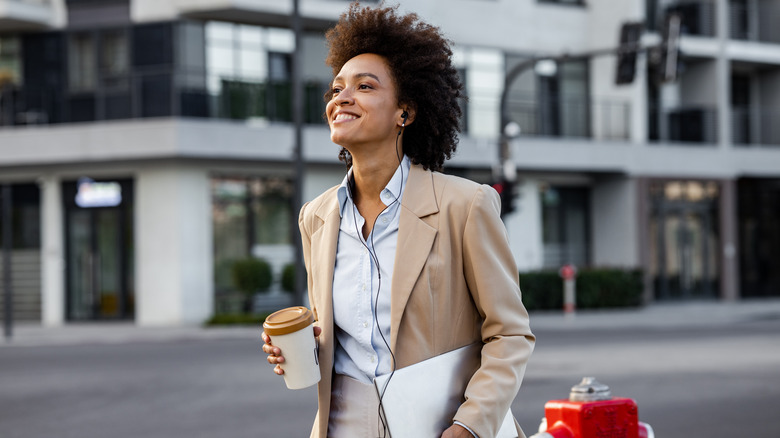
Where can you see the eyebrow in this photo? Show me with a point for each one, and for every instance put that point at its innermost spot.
(360, 75)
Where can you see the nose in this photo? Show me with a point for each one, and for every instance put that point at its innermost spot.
(344, 97)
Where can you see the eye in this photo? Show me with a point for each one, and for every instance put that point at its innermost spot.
(364, 87)
(335, 90)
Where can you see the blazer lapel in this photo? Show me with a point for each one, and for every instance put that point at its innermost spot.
(415, 240)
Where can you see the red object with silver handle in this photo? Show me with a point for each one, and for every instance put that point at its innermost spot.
(591, 412)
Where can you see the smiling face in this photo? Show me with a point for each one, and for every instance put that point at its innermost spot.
(364, 108)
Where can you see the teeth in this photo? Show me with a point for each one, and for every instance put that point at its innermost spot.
(345, 117)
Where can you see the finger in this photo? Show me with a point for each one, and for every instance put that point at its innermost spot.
(317, 331)
(278, 370)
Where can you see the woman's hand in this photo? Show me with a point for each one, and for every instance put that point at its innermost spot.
(456, 431)
(275, 353)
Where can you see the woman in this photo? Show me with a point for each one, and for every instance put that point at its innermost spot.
(404, 263)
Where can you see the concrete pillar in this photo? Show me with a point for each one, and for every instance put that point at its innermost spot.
(729, 279)
(524, 227)
(614, 223)
(174, 254)
(642, 236)
(52, 252)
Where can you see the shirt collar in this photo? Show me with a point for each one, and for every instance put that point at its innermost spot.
(395, 187)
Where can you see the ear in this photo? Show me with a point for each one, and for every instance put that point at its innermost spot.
(410, 113)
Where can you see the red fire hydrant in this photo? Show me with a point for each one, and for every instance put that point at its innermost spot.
(592, 412)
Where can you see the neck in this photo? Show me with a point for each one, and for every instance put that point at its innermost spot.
(372, 171)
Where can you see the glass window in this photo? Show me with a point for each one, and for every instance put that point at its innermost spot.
(25, 216)
(565, 225)
(248, 213)
(683, 238)
(114, 59)
(550, 98)
(10, 61)
(82, 62)
(249, 71)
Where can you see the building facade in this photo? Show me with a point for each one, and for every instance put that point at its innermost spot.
(149, 144)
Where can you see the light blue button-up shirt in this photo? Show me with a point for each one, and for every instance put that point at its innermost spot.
(361, 352)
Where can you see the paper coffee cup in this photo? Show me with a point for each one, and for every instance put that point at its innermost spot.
(291, 330)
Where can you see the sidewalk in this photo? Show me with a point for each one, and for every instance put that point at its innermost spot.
(662, 316)
(656, 316)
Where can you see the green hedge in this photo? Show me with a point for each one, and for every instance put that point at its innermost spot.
(288, 277)
(596, 288)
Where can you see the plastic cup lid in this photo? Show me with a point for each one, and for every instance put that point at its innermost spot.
(287, 321)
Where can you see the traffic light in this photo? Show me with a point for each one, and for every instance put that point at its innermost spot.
(630, 33)
(506, 191)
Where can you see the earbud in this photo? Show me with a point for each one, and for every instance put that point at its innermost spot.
(405, 115)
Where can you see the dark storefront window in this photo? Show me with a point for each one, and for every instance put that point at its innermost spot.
(25, 216)
(252, 216)
(565, 225)
(759, 237)
(99, 249)
(25, 251)
(684, 240)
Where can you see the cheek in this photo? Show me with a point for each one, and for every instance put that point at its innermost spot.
(329, 107)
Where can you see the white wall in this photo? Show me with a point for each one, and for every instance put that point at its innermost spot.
(174, 260)
(524, 227)
(614, 221)
(699, 85)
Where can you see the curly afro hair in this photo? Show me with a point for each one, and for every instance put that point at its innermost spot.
(420, 62)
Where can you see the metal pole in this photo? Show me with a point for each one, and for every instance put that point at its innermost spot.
(297, 106)
(7, 234)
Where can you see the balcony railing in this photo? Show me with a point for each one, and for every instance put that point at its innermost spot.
(757, 23)
(698, 16)
(751, 126)
(687, 124)
(154, 94)
(577, 118)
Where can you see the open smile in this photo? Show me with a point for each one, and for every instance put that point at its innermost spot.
(344, 117)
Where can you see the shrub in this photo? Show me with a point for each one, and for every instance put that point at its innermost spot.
(288, 278)
(596, 288)
(251, 275)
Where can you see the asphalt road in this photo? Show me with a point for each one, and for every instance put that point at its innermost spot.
(722, 381)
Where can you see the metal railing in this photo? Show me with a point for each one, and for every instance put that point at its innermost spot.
(684, 124)
(574, 118)
(156, 93)
(698, 16)
(755, 126)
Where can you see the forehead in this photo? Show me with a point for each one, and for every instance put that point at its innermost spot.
(366, 63)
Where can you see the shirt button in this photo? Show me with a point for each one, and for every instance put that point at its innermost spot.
(385, 220)
(373, 358)
(365, 324)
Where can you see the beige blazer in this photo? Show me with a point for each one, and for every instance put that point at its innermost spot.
(454, 283)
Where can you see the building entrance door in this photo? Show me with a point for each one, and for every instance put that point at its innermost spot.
(685, 263)
(99, 252)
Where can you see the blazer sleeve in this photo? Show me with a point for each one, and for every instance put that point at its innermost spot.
(492, 279)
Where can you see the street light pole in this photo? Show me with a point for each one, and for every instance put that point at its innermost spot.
(7, 235)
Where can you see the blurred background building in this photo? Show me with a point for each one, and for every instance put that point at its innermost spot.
(148, 144)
